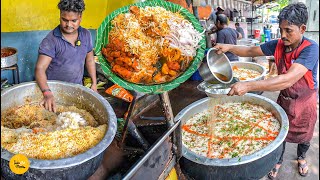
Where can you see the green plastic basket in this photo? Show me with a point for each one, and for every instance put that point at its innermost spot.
(102, 40)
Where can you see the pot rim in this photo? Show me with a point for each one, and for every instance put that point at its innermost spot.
(80, 158)
(243, 159)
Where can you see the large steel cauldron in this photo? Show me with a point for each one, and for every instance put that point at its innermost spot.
(77, 167)
(253, 166)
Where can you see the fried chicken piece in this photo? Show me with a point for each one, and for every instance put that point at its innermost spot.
(123, 72)
(173, 65)
(135, 10)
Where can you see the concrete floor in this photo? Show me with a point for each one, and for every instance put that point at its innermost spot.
(289, 168)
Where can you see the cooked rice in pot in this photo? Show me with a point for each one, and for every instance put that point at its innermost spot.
(37, 133)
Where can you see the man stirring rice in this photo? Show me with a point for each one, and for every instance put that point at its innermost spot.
(65, 51)
(297, 59)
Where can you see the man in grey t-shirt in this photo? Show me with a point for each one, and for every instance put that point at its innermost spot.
(227, 35)
(65, 51)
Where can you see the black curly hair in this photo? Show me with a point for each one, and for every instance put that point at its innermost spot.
(296, 14)
(72, 5)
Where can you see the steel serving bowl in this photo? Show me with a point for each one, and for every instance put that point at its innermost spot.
(10, 60)
(253, 166)
(216, 90)
(252, 66)
(216, 63)
(80, 166)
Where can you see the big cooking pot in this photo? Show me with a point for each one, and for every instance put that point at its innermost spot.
(253, 166)
(77, 167)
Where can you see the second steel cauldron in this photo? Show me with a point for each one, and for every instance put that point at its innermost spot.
(253, 166)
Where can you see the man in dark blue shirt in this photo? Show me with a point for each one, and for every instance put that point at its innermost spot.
(239, 29)
(227, 35)
(297, 61)
(65, 51)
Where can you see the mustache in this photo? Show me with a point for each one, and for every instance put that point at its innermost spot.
(68, 27)
(284, 39)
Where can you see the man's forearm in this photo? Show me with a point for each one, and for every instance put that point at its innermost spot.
(243, 51)
(277, 83)
(41, 78)
(91, 67)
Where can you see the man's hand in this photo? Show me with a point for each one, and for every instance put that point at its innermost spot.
(94, 87)
(239, 88)
(48, 102)
(222, 48)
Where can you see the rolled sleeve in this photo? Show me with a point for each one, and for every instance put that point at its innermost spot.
(47, 48)
(269, 48)
(90, 45)
(309, 56)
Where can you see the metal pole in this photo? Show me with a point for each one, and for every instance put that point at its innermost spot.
(167, 110)
(252, 20)
(133, 130)
(195, 11)
(176, 136)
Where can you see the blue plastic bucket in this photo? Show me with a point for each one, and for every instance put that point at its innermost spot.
(267, 35)
(196, 75)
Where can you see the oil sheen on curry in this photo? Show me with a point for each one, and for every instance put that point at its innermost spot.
(230, 130)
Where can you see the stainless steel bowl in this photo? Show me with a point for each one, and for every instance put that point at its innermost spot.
(252, 66)
(253, 166)
(216, 63)
(9, 60)
(216, 90)
(80, 166)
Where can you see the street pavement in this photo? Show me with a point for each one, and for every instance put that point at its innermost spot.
(289, 168)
